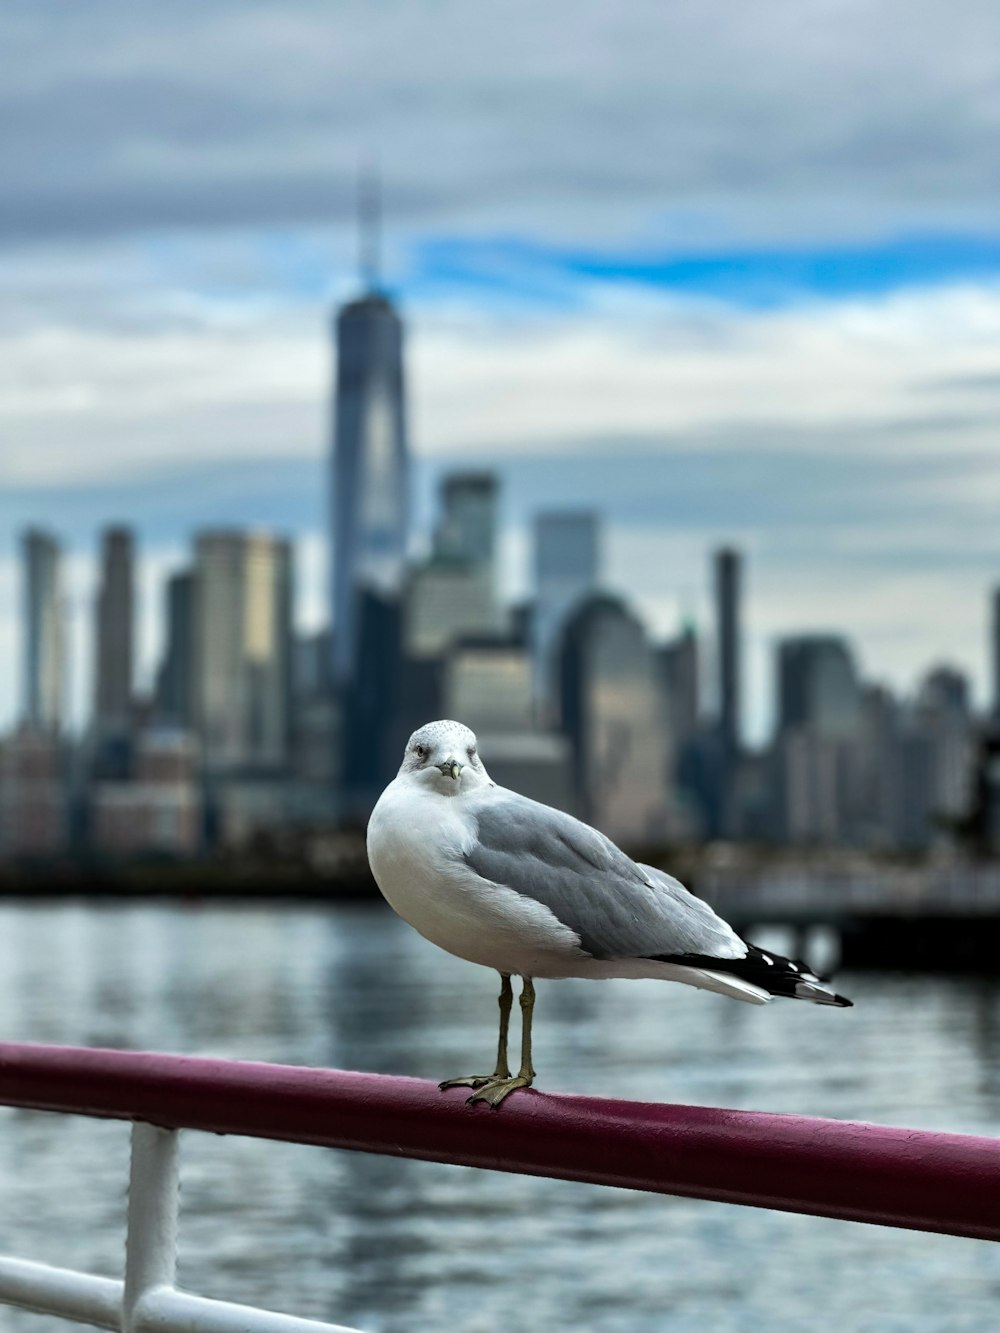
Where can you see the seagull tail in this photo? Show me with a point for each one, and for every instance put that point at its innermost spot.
(766, 972)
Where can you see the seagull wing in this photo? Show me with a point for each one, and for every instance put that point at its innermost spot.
(618, 908)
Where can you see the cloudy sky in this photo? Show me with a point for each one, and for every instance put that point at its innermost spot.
(728, 272)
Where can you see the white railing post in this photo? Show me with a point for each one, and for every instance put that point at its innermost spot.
(151, 1303)
(151, 1239)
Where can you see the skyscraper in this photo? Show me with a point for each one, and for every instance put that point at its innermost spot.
(613, 715)
(453, 594)
(447, 600)
(727, 607)
(370, 507)
(818, 685)
(566, 570)
(114, 638)
(175, 678)
(44, 638)
(468, 525)
(821, 760)
(678, 667)
(242, 649)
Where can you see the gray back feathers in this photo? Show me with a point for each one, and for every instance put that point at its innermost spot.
(618, 908)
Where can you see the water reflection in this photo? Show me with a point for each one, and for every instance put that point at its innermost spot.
(393, 1245)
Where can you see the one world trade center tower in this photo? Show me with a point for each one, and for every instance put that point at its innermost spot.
(370, 502)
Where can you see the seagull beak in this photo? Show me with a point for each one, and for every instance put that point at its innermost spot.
(451, 769)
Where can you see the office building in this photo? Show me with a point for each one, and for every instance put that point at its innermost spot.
(384, 702)
(944, 714)
(452, 595)
(447, 600)
(158, 810)
(720, 748)
(678, 667)
(242, 650)
(814, 770)
(115, 633)
(317, 713)
(567, 564)
(818, 686)
(822, 756)
(728, 579)
(175, 678)
(692, 748)
(879, 780)
(487, 684)
(34, 794)
(613, 715)
(44, 631)
(467, 529)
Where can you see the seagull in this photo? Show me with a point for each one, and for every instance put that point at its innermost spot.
(527, 890)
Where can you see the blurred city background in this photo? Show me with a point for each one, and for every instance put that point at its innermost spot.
(693, 525)
(624, 382)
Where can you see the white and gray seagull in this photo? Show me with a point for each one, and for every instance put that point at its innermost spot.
(515, 885)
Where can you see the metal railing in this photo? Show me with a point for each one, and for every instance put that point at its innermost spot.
(147, 1300)
(829, 1168)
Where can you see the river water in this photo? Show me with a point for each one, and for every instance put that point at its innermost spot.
(389, 1245)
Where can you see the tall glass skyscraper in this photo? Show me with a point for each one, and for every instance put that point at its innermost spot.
(242, 649)
(727, 609)
(370, 502)
(818, 685)
(44, 639)
(115, 631)
(468, 526)
(567, 546)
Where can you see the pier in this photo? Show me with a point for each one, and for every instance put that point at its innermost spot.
(929, 917)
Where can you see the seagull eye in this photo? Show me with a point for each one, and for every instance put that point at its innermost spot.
(471, 752)
(420, 751)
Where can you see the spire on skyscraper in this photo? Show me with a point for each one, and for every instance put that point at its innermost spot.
(370, 226)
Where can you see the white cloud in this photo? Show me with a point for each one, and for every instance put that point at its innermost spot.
(658, 367)
(238, 379)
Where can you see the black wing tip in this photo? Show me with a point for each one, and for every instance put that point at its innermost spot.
(817, 990)
(779, 976)
(830, 998)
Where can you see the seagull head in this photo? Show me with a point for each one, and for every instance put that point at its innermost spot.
(444, 756)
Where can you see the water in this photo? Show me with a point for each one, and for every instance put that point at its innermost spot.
(391, 1245)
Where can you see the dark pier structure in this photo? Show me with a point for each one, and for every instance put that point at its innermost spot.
(928, 918)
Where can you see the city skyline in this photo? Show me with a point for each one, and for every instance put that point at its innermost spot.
(694, 602)
(683, 277)
(720, 683)
(371, 471)
(250, 735)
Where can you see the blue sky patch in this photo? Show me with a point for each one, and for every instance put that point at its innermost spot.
(512, 267)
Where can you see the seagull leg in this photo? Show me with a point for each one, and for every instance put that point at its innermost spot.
(502, 1070)
(505, 1001)
(497, 1089)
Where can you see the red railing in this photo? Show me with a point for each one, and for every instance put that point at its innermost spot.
(830, 1168)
